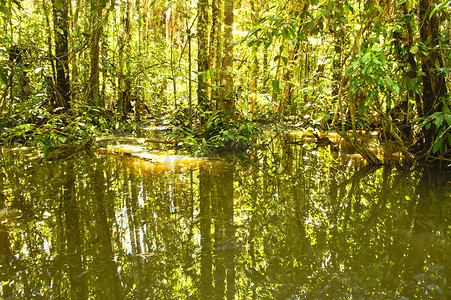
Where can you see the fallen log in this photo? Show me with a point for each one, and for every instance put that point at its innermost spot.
(132, 139)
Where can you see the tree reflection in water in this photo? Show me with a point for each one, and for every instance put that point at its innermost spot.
(288, 223)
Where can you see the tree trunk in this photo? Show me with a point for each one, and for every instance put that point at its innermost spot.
(60, 21)
(434, 87)
(96, 29)
(226, 101)
(124, 80)
(190, 85)
(216, 48)
(202, 55)
(74, 18)
(254, 66)
(140, 93)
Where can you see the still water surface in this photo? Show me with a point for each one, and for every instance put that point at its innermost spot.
(291, 222)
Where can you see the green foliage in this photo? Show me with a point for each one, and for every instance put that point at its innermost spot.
(5, 7)
(438, 8)
(371, 83)
(49, 131)
(442, 123)
(217, 134)
(273, 27)
(54, 132)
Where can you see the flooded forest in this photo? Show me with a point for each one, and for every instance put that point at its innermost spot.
(225, 149)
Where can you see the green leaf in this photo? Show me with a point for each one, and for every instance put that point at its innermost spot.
(276, 85)
(425, 121)
(437, 145)
(57, 4)
(5, 11)
(448, 119)
(254, 30)
(206, 75)
(284, 59)
(380, 9)
(250, 42)
(271, 18)
(438, 8)
(3, 76)
(437, 64)
(286, 33)
(414, 49)
(388, 81)
(439, 120)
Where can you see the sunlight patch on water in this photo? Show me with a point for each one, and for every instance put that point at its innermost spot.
(155, 163)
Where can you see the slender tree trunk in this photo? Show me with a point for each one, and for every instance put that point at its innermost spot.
(190, 84)
(227, 101)
(60, 21)
(128, 50)
(171, 25)
(202, 55)
(74, 26)
(289, 76)
(49, 37)
(140, 93)
(124, 81)
(96, 29)
(254, 66)
(216, 48)
(120, 80)
(103, 48)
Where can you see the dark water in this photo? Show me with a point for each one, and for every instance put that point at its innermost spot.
(293, 222)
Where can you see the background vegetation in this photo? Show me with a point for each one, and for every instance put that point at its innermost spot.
(70, 68)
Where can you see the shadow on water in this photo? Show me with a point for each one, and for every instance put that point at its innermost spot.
(290, 222)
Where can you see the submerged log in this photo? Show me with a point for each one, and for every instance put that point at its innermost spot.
(361, 149)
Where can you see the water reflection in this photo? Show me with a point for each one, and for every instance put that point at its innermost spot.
(288, 223)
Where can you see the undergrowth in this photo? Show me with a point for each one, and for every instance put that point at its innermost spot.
(217, 132)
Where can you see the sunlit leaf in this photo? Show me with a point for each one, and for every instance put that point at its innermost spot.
(271, 18)
(57, 4)
(380, 9)
(276, 85)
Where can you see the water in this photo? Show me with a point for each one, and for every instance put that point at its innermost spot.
(291, 222)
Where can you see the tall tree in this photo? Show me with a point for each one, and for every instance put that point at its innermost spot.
(254, 66)
(61, 23)
(96, 32)
(226, 101)
(434, 88)
(124, 40)
(216, 47)
(202, 55)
